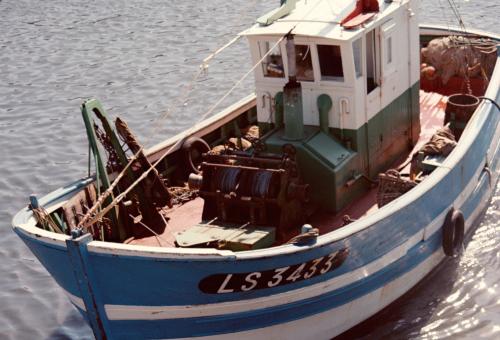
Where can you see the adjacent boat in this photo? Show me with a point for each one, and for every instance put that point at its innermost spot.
(299, 211)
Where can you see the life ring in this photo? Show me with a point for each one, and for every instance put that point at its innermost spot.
(192, 150)
(453, 232)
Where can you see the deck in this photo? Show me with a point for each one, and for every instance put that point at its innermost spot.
(432, 106)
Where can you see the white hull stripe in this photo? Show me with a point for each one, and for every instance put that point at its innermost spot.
(325, 326)
(127, 312)
(328, 324)
(124, 312)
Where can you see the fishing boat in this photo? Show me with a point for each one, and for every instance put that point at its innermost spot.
(367, 151)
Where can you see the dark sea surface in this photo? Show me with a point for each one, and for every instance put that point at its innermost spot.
(138, 57)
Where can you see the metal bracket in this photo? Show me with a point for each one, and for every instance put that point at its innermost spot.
(78, 255)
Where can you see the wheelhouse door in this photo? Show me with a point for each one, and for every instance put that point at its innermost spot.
(374, 100)
(373, 91)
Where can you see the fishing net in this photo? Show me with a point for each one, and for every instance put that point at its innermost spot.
(391, 185)
(459, 56)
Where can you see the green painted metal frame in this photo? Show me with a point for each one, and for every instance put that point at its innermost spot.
(88, 107)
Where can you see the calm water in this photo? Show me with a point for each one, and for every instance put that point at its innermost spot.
(137, 57)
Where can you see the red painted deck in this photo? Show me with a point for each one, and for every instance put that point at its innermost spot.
(432, 106)
(181, 217)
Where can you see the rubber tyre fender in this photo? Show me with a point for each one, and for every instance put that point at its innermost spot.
(453, 232)
(193, 143)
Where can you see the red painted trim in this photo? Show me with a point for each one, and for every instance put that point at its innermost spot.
(362, 7)
(358, 20)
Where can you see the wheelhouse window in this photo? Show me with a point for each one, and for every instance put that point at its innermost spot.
(330, 62)
(389, 50)
(356, 51)
(304, 63)
(372, 61)
(272, 65)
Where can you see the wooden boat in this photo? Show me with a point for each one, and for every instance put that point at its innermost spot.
(302, 209)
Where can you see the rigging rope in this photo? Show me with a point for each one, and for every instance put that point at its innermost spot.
(108, 192)
(456, 12)
(85, 223)
(204, 65)
(45, 219)
(201, 70)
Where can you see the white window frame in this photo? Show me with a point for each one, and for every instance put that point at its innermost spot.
(361, 57)
(260, 55)
(347, 68)
(340, 81)
(387, 32)
(314, 54)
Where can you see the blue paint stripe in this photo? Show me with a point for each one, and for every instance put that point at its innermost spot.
(275, 315)
(479, 194)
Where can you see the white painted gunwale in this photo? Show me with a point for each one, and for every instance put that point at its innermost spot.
(25, 223)
(204, 127)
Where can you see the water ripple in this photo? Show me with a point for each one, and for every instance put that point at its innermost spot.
(136, 57)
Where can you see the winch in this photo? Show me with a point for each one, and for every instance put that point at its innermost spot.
(252, 190)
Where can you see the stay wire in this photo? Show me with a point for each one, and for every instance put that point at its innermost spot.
(84, 223)
(190, 86)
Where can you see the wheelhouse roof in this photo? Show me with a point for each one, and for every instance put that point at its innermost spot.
(314, 18)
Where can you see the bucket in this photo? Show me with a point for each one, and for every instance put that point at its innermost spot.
(459, 110)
